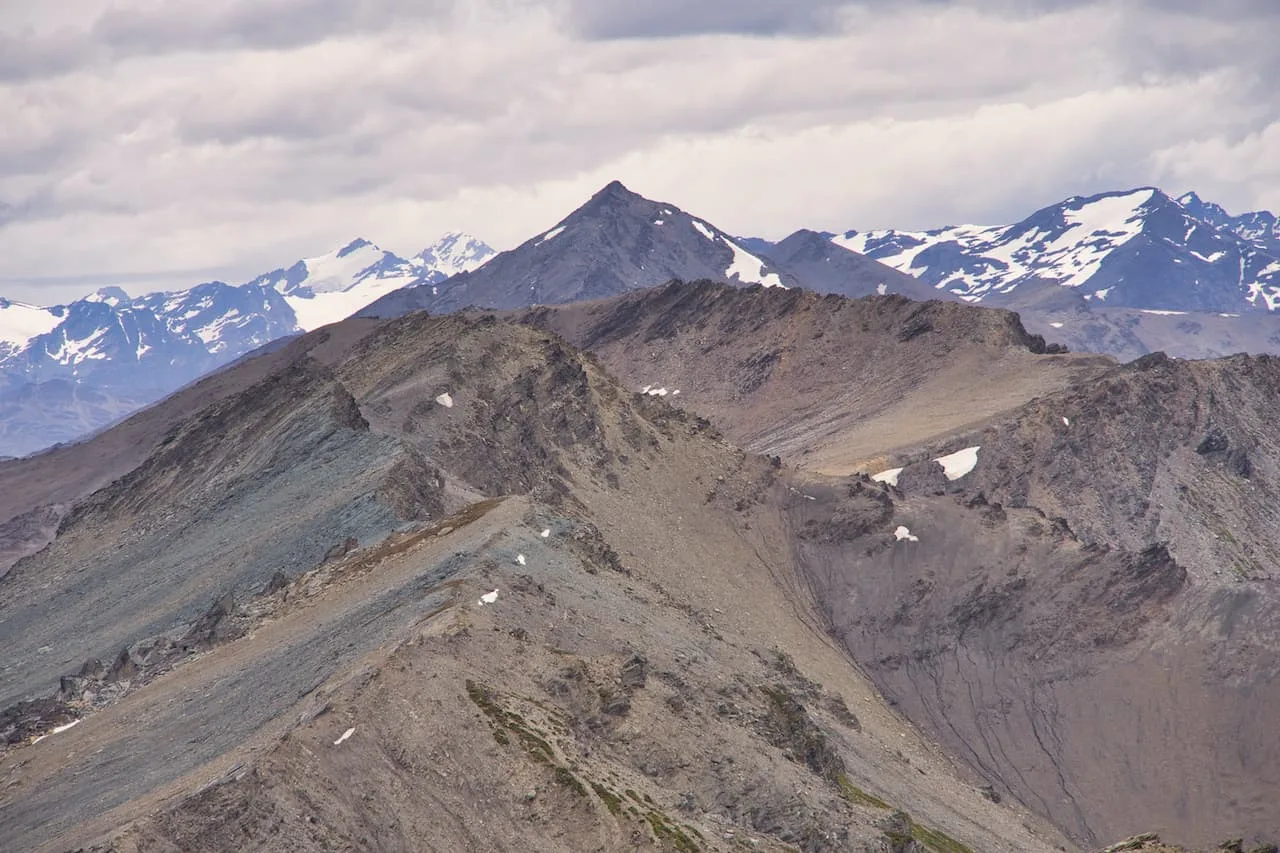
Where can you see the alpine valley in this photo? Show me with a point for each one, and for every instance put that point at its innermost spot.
(644, 536)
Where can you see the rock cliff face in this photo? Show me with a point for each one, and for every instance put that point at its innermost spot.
(1155, 486)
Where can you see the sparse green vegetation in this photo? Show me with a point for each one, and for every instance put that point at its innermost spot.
(671, 834)
(503, 722)
(858, 797)
(566, 778)
(611, 800)
(935, 840)
(906, 830)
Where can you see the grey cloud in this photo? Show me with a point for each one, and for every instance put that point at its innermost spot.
(261, 131)
(279, 24)
(665, 18)
(28, 56)
(618, 19)
(122, 32)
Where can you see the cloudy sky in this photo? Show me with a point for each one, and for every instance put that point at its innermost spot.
(158, 143)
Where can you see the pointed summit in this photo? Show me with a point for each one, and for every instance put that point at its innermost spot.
(615, 190)
(615, 242)
(616, 196)
(354, 246)
(110, 295)
(1208, 211)
(453, 253)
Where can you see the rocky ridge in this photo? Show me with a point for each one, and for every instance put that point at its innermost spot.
(509, 501)
(1078, 603)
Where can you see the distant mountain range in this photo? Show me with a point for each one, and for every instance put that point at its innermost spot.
(1120, 273)
(1137, 249)
(67, 370)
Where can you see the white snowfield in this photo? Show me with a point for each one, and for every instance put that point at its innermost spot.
(57, 730)
(550, 235)
(1092, 231)
(954, 466)
(342, 282)
(890, 476)
(958, 464)
(19, 322)
(488, 598)
(904, 534)
(344, 736)
(745, 267)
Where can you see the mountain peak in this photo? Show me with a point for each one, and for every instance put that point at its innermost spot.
(1212, 213)
(614, 191)
(1136, 248)
(615, 186)
(455, 252)
(110, 295)
(354, 246)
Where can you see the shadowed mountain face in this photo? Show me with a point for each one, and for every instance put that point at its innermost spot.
(826, 267)
(618, 241)
(1090, 614)
(443, 582)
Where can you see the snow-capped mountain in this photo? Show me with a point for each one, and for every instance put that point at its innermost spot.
(617, 241)
(819, 264)
(1260, 227)
(119, 352)
(331, 287)
(150, 344)
(20, 322)
(453, 253)
(1137, 249)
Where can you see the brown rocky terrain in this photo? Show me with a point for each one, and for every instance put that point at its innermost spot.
(824, 382)
(448, 585)
(1087, 616)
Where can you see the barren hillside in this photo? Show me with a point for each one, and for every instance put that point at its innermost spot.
(451, 586)
(1078, 601)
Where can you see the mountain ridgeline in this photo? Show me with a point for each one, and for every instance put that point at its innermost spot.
(70, 369)
(1120, 273)
(1064, 569)
(689, 568)
(443, 582)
